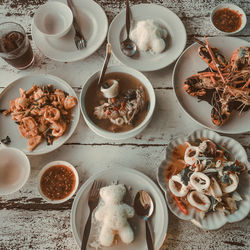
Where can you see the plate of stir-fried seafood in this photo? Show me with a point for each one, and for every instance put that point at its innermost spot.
(212, 83)
(38, 113)
(205, 178)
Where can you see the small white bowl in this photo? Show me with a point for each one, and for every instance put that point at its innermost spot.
(55, 163)
(53, 19)
(231, 7)
(14, 170)
(122, 135)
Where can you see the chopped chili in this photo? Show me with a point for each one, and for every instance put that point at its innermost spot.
(57, 182)
(227, 20)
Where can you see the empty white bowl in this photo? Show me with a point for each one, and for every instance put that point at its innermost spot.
(14, 170)
(55, 163)
(234, 8)
(53, 19)
(119, 135)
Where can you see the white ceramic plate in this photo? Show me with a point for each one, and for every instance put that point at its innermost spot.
(145, 61)
(10, 128)
(94, 25)
(137, 181)
(188, 64)
(213, 220)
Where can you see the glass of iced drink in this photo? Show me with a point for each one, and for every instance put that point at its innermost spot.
(15, 47)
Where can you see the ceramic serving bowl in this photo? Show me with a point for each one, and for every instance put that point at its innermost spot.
(230, 7)
(121, 135)
(56, 163)
(53, 19)
(14, 170)
(212, 220)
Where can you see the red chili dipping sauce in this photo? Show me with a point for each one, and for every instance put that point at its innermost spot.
(57, 182)
(227, 20)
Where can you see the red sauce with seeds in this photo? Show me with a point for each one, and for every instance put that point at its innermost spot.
(57, 182)
(227, 20)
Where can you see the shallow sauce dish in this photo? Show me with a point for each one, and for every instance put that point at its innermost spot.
(53, 19)
(235, 10)
(213, 220)
(132, 75)
(14, 170)
(62, 176)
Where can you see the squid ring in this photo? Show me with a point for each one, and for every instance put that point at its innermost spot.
(199, 200)
(191, 155)
(230, 188)
(199, 181)
(177, 191)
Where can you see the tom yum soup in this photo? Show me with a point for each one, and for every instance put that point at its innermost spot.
(119, 104)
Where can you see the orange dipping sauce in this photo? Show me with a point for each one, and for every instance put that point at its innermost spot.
(58, 182)
(227, 20)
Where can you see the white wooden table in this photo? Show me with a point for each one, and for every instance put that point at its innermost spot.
(28, 222)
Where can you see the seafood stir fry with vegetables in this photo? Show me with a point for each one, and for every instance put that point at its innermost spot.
(41, 112)
(225, 84)
(205, 176)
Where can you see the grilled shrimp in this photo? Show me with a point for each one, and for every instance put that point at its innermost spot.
(69, 102)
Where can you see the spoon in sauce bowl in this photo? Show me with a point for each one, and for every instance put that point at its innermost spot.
(128, 47)
(144, 207)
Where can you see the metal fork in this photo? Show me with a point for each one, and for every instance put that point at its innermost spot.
(92, 203)
(79, 39)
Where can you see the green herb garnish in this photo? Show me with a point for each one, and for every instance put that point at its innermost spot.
(233, 168)
(6, 141)
(185, 175)
(225, 179)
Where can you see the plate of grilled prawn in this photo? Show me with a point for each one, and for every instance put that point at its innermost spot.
(38, 113)
(211, 81)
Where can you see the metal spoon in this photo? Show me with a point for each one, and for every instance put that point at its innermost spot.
(128, 47)
(105, 64)
(144, 207)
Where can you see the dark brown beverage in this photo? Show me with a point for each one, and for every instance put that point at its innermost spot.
(15, 47)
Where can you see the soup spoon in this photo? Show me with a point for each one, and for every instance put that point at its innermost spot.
(128, 47)
(105, 64)
(144, 207)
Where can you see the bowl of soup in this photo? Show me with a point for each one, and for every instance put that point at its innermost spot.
(121, 106)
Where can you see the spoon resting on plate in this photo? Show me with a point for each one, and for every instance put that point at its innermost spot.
(128, 47)
(144, 207)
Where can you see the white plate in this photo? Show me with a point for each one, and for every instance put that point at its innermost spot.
(94, 25)
(213, 220)
(137, 181)
(188, 64)
(145, 61)
(10, 128)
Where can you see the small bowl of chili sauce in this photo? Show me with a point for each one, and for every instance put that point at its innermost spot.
(228, 18)
(58, 181)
